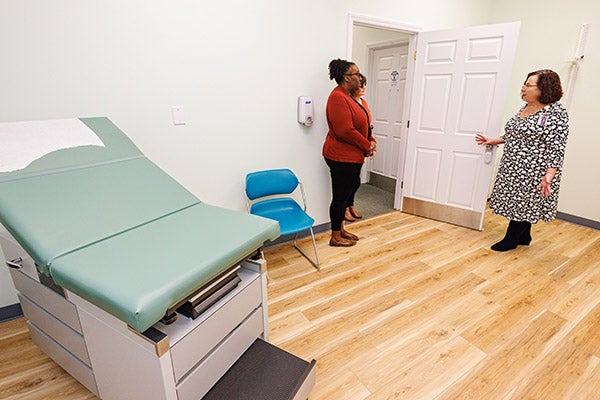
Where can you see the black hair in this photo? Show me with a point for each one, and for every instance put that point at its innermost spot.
(338, 68)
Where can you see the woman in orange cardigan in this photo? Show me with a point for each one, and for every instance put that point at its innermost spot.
(347, 144)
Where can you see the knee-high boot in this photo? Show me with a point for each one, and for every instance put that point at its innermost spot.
(526, 235)
(512, 237)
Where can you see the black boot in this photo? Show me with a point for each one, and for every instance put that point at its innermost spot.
(526, 235)
(512, 238)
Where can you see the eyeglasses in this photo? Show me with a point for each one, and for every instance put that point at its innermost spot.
(528, 85)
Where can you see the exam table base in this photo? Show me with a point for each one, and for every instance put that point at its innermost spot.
(181, 361)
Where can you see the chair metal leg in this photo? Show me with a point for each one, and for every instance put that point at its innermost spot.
(317, 265)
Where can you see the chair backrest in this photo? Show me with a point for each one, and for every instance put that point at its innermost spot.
(270, 182)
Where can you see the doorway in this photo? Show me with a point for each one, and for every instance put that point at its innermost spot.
(454, 89)
(381, 51)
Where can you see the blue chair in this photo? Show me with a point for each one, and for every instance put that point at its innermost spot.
(268, 194)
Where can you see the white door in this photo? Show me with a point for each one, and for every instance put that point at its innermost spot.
(460, 88)
(386, 86)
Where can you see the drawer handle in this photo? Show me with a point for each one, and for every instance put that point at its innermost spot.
(15, 263)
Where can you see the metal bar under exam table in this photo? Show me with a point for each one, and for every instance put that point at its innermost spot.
(103, 245)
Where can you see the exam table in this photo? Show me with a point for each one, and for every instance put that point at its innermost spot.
(133, 285)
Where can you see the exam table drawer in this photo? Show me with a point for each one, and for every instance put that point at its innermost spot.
(208, 372)
(59, 332)
(62, 357)
(52, 302)
(199, 342)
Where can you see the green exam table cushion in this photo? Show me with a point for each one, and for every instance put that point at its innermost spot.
(109, 225)
(139, 274)
(56, 213)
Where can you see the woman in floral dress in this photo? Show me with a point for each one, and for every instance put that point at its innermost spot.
(528, 179)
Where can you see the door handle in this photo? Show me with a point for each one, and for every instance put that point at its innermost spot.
(489, 151)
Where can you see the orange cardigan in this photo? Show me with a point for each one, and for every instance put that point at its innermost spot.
(348, 137)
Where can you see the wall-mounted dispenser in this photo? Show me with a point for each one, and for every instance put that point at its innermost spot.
(305, 110)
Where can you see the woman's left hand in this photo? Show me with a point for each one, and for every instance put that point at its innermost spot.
(544, 187)
(372, 149)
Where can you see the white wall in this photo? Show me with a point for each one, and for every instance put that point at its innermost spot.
(549, 34)
(236, 66)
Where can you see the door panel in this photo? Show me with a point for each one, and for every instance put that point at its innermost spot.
(427, 165)
(386, 91)
(434, 104)
(459, 89)
(464, 170)
(477, 95)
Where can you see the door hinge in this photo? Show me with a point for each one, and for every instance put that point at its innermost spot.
(408, 124)
(415, 56)
(401, 184)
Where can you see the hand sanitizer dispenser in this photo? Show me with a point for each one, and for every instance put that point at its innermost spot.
(305, 110)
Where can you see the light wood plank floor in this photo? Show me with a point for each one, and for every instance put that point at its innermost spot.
(418, 309)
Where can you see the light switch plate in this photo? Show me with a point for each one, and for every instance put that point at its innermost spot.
(178, 115)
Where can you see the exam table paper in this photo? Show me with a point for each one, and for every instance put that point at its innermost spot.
(21, 143)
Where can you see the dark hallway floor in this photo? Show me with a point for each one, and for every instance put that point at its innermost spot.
(371, 200)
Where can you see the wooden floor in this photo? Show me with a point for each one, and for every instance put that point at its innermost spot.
(418, 309)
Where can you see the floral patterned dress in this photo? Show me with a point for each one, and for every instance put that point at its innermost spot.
(532, 144)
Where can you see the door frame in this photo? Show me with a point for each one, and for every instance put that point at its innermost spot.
(412, 32)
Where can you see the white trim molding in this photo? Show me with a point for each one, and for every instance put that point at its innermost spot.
(374, 22)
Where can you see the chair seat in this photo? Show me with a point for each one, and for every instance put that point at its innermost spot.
(291, 217)
(271, 190)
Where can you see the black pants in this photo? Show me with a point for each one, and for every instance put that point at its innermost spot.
(356, 187)
(345, 179)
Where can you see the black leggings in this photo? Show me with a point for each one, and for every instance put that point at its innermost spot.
(345, 179)
(356, 187)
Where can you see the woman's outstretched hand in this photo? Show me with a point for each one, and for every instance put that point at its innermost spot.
(482, 139)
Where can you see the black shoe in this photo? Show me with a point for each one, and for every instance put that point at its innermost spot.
(513, 236)
(505, 244)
